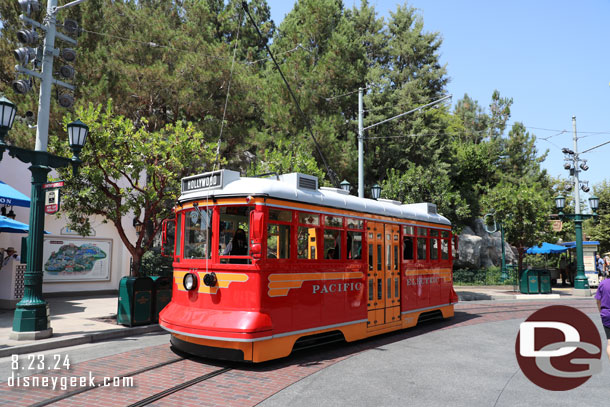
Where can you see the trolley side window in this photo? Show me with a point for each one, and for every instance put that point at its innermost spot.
(434, 244)
(278, 234)
(332, 237)
(234, 234)
(445, 245)
(197, 233)
(408, 242)
(354, 238)
(308, 235)
(422, 243)
(354, 245)
(178, 250)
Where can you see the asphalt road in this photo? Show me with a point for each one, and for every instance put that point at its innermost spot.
(467, 361)
(465, 366)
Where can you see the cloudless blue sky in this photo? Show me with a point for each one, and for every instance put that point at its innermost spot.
(551, 57)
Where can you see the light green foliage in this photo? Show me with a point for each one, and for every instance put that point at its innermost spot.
(599, 229)
(286, 159)
(408, 187)
(524, 209)
(130, 172)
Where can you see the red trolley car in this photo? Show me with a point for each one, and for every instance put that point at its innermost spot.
(264, 264)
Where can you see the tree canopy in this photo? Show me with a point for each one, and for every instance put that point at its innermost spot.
(186, 76)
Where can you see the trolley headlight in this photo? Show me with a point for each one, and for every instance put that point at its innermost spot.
(210, 279)
(190, 281)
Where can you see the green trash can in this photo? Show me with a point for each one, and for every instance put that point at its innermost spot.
(530, 282)
(162, 294)
(135, 301)
(523, 282)
(545, 281)
(533, 281)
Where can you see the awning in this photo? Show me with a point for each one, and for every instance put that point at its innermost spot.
(11, 197)
(546, 248)
(9, 225)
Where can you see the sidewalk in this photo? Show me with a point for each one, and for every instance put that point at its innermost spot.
(78, 320)
(506, 292)
(75, 320)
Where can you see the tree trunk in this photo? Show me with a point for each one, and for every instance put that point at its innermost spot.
(521, 251)
(136, 262)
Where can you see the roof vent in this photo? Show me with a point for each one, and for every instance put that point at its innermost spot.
(392, 201)
(300, 181)
(425, 207)
(337, 190)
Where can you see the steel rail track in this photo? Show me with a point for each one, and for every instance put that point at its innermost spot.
(96, 385)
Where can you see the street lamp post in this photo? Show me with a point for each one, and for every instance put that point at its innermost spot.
(31, 320)
(504, 275)
(581, 283)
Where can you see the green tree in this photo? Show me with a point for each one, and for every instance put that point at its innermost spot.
(427, 184)
(599, 229)
(524, 209)
(284, 159)
(130, 172)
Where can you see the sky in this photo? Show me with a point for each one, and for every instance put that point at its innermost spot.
(551, 57)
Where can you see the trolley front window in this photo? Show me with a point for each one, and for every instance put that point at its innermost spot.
(234, 234)
(197, 233)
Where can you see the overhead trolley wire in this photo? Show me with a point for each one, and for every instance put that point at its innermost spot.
(153, 44)
(224, 111)
(329, 171)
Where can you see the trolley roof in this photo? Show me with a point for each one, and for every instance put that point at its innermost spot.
(303, 188)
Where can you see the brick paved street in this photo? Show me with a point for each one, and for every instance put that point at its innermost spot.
(244, 385)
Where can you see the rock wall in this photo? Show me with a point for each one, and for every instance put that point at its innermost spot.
(480, 249)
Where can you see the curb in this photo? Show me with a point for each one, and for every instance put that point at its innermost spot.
(471, 296)
(91, 337)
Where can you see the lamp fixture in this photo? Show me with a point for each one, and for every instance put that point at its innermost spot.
(376, 191)
(560, 202)
(345, 185)
(594, 202)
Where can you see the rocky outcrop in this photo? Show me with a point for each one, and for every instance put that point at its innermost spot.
(480, 249)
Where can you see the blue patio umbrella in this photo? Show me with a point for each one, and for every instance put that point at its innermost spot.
(9, 225)
(546, 248)
(11, 197)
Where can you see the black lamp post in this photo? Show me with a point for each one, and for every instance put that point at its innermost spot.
(31, 320)
(580, 281)
(345, 185)
(376, 191)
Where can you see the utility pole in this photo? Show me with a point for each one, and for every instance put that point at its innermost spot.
(361, 130)
(31, 317)
(576, 169)
(574, 164)
(360, 145)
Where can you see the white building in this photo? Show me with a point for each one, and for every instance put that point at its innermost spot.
(107, 262)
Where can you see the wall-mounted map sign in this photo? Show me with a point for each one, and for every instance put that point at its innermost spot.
(76, 259)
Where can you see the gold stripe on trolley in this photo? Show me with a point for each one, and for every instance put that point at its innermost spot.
(224, 280)
(280, 284)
